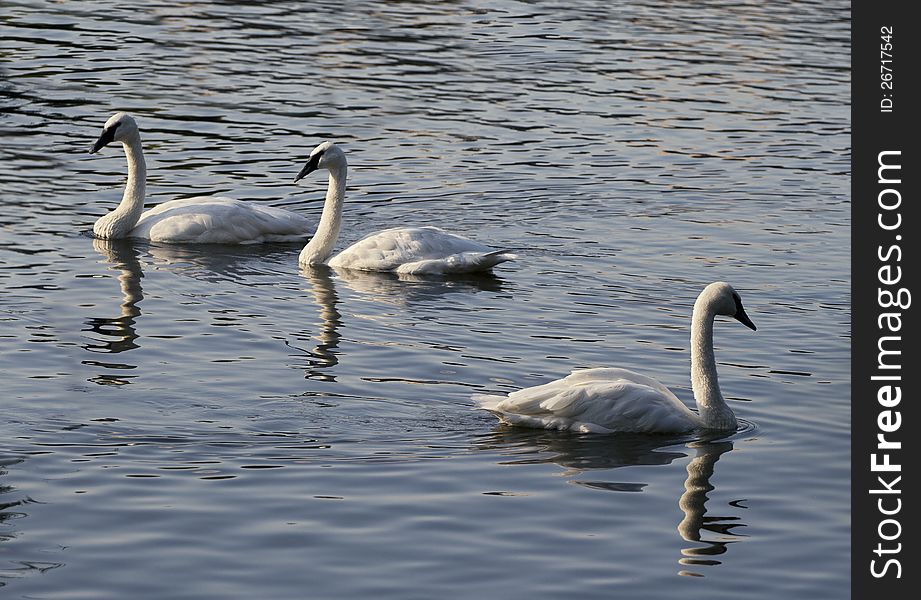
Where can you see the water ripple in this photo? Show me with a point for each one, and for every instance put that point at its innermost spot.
(254, 429)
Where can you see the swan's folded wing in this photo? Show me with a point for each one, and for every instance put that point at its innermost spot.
(580, 376)
(595, 400)
(220, 220)
(464, 262)
(629, 406)
(425, 249)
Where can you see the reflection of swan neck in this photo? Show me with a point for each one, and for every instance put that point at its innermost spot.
(319, 249)
(132, 292)
(693, 500)
(324, 293)
(120, 331)
(121, 256)
(693, 503)
(120, 222)
(714, 411)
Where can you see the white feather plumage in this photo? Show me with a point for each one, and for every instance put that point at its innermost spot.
(607, 400)
(407, 250)
(418, 251)
(202, 219)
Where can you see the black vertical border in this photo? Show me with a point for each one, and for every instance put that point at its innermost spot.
(874, 131)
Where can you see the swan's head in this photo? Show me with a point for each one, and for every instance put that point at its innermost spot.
(726, 301)
(119, 128)
(325, 156)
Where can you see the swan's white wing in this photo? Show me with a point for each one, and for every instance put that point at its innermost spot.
(217, 220)
(579, 376)
(418, 250)
(595, 400)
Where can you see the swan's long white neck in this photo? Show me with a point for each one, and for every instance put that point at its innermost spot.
(714, 412)
(120, 222)
(321, 246)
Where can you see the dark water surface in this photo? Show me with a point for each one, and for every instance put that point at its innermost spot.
(213, 422)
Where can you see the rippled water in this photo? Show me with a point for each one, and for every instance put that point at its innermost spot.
(211, 422)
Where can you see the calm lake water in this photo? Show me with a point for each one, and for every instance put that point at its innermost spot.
(213, 422)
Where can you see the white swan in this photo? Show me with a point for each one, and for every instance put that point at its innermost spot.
(203, 219)
(410, 250)
(617, 400)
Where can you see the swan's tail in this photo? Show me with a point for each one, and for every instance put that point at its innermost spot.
(463, 262)
(488, 402)
(491, 259)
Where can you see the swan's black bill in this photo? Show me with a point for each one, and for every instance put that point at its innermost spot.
(107, 137)
(742, 318)
(311, 166)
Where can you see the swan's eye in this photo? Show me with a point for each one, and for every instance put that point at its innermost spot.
(738, 301)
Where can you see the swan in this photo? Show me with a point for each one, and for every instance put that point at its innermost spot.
(203, 219)
(408, 250)
(607, 400)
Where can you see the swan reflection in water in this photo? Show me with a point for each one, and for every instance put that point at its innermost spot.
(323, 355)
(114, 335)
(388, 288)
(581, 455)
(404, 289)
(263, 266)
(693, 504)
(259, 264)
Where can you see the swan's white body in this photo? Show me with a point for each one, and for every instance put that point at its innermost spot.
(409, 250)
(218, 220)
(418, 251)
(596, 401)
(200, 220)
(610, 400)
